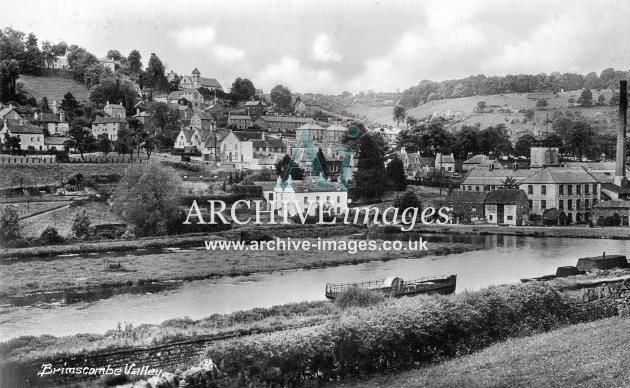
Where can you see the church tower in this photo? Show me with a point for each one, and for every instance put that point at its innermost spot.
(196, 79)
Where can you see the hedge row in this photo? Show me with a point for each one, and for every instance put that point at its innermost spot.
(395, 335)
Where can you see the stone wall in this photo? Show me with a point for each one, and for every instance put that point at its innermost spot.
(603, 298)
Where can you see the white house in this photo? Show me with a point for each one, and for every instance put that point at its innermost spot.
(29, 135)
(115, 110)
(109, 125)
(303, 195)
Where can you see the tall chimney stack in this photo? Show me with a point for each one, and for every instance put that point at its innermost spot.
(620, 178)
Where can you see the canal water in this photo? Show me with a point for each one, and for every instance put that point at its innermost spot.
(503, 259)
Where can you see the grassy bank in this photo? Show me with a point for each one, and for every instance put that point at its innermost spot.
(173, 330)
(591, 354)
(79, 273)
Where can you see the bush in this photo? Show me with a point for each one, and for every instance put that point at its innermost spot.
(396, 335)
(50, 236)
(358, 297)
(10, 229)
(406, 200)
(81, 224)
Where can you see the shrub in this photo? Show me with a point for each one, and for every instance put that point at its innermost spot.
(395, 335)
(50, 236)
(358, 297)
(81, 224)
(406, 200)
(10, 229)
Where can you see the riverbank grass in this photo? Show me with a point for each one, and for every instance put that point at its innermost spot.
(591, 354)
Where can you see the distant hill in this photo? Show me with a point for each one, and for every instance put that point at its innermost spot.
(53, 87)
(500, 109)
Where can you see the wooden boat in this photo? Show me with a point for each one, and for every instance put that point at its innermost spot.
(396, 287)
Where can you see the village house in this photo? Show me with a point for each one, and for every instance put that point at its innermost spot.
(445, 163)
(308, 108)
(115, 110)
(544, 153)
(481, 179)
(473, 162)
(141, 116)
(269, 162)
(335, 133)
(56, 124)
(9, 113)
(202, 119)
(255, 108)
(244, 148)
(303, 195)
(507, 207)
(162, 97)
(31, 136)
(467, 207)
(571, 190)
(108, 64)
(56, 143)
(184, 113)
(240, 121)
(109, 126)
(196, 81)
(315, 131)
(281, 124)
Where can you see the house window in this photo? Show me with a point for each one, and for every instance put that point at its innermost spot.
(586, 187)
(271, 196)
(338, 199)
(594, 188)
(543, 190)
(543, 204)
(490, 217)
(469, 188)
(561, 204)
(510, 218)
(476, 188)
(578, 189)
(570, 204)
(530, 189)
(305, 200)
(317, 199)
(578, 204)
(530, 203)
(586, 201)
(328, 198)
(570, 189)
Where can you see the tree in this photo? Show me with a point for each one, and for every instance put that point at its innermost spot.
(481, 106)
(523, 144)
(60, 49)
(322, 162)
(466, 142)
(297, 174)
(281, 97)
(81, 224)
(147, 198)
(10, 228)
(163, 123)
(407, 200)
(69, 104)
(114, 54)
(495, 139)
(586, 98)
(601, 99)
(243, 88)
(510, 183)
(582, 140)
(9, 72)
(104, 144)
(396, 174)
(541, 103)
(154, 76)
(135, 61)
(370, 173)
(81, 138)
(399, 114)
(126, 142)
(114, 90)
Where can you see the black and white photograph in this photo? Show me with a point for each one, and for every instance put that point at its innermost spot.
(314, 193)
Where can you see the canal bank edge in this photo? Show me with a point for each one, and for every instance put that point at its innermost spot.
(589, 300)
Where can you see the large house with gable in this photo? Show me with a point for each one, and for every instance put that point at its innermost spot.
(31, 136)
(196, 81)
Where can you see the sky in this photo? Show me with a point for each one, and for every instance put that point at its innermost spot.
(331, 46)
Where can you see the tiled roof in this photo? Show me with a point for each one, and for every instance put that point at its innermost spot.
(209, 82)
(336, 127)
(254, 103)
(239, 117)
(246, 136)
(188, 133)
(285, 119)
(21, 128)
(270, 142)
(310, 126)
(561, 175)
(460, 196)
(50, 118)
(5, 111)
(105, 120)
(615, 188)
(507, 197)
(55, 140)
(476, 159)
(204, 115)
(478, 176)
(270, 160)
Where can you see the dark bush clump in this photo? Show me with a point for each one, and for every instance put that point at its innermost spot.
(358, 297)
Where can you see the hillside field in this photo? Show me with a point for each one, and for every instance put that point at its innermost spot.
(53, 88)
(464, 108)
